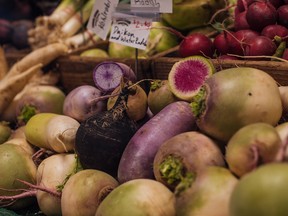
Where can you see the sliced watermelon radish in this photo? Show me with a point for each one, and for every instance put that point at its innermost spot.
(107, 76)
(188, 75)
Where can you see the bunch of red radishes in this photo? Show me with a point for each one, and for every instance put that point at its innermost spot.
(260, 30)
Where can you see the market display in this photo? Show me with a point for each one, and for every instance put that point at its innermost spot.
(208, 139)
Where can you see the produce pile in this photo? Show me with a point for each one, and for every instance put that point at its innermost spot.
(200, 139)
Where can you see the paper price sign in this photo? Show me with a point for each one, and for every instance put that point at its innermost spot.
(131, 31)
(165, 6)
(101, 17)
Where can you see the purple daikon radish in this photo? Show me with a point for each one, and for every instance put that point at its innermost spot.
(137, 159)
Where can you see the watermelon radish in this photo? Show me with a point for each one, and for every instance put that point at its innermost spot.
(188, 75)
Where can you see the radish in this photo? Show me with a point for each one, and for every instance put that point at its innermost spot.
(261, 192)
(209, 194)
(182, 156)
(235, 97)
(138, 197)
(107, 75)
(282, 13)
(260, 46)
(196, 44)
(5, 132)
(252, 146)
(82, 102)
(84, 191)
(260, 14)
(275, 30)
(137, 159)
(194, 70)
(102, 138)
(159, 96)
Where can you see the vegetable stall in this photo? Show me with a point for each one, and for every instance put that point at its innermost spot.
(195, 120)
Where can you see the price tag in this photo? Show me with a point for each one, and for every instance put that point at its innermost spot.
(165, 6)
(101, 17)
(131, 30)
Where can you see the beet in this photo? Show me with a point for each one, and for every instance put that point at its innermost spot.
(102, 138)
(260, 14)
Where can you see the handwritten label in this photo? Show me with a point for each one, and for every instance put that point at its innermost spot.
(101, 17)
(131, 31)
(165, 6)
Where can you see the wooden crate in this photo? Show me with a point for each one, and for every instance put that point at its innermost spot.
(278, 70)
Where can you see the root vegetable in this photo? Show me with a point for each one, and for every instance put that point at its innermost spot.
(251, 146)
(220, 113)
(138, 197)
(9, 88)
(102, 138)
(137, 159)
(5, 131)
(211, 189)
(84, 191)
(82, 102)
(260, 46)
(282, 13)
(52, 131)
(3, 63)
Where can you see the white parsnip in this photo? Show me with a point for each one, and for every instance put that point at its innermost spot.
(9, 88)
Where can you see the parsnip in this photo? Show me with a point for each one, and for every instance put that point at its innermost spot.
(43, 55)
(9, 88)
(3, 63)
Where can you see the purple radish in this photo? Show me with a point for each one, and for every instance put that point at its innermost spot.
(108, 75)
(194, 70)
(137, 159)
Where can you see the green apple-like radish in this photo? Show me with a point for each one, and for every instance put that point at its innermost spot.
(95, 52)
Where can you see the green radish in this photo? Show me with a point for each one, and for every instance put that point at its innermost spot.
(187, 76)
(52, 132)
(5, 131)
(95, 52)
(15, 163)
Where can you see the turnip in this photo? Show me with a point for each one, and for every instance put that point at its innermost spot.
(102, 138)
(137, 102)
(95, 52)
(82, 102)
(39, 99)
(160, 95)
(251, 146)
(138, 197)
(84, 191)
(261, 192)
(182, 156)
(15, 164)
(282, 130)
(137, 159)
(235, 97)
(209, 194)
(52, 131)
(5, 131)
(194, 70)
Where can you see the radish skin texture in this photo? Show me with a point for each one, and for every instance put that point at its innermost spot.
(51, 173)
(137, 159)
(237, 97)
(209, 194)
(138, 197)
(84, 191)
(16, 163)
(52, 132)
(251, 146)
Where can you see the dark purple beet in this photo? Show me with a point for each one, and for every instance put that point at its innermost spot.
(137, 159)
(102, 138)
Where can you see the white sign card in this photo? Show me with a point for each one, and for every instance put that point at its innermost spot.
(130, 30)
(101, 17)
(165, 6)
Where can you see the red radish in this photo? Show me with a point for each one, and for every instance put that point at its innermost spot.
(5, 31)
(285, 54)
(242, 5)
(196, 44)
(260, 46)
(194, 70)
(137, 159)
(275, 30)
(240, 21)
(252, 146)
(282, 13)
(222, 42)
(260, 14)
